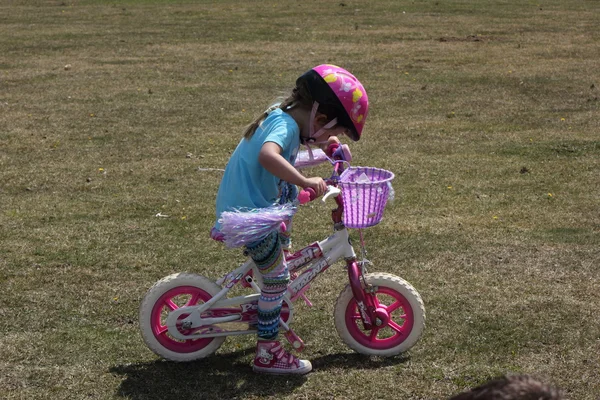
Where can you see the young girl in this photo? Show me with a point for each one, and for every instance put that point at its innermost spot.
(327, 102)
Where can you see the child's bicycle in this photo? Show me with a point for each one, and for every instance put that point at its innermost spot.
(185, 316)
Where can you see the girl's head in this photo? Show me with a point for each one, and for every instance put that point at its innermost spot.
(335, 99)
(337, 94)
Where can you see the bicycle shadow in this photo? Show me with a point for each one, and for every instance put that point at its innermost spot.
(355, 361)
(226, 376)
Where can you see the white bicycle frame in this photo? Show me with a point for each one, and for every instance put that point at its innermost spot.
(318, 256)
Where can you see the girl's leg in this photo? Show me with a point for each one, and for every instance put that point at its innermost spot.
(268, 257)
(270, 356)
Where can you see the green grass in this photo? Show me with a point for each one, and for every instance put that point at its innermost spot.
(487, 112)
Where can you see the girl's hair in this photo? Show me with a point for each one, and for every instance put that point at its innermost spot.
(300, 97)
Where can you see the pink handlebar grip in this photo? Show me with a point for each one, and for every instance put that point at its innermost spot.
(339, 151)
(306, 195)
(331, 149)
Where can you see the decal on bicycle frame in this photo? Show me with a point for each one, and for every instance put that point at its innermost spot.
(248, 312)
(308, 276)
(304, 256)
(363, 312)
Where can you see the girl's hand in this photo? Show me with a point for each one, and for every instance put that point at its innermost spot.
(330, 140)
(317, 184)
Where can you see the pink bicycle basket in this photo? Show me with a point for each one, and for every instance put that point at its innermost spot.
(365, 192)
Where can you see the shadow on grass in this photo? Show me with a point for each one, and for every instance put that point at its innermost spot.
(355, 361)
(226, 376)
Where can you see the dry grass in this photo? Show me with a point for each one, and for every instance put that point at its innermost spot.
(487, 111)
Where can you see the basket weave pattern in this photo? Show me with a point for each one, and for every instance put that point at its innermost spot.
(365, 193)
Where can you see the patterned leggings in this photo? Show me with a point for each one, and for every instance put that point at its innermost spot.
(268, 257)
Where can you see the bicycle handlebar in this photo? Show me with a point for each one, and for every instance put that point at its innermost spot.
(307, 195)
(337, 152)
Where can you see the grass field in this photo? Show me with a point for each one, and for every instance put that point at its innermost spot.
(487, 111)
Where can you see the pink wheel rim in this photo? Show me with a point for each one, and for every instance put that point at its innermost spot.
(390, 334)
(168, 303)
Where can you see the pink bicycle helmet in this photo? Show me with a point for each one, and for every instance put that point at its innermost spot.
(337, 88)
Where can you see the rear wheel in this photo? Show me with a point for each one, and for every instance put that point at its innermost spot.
(167, 295)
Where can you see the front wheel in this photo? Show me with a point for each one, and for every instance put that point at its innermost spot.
(402, 317)
(167, 295)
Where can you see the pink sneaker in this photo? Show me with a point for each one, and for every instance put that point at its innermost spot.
(271, 358)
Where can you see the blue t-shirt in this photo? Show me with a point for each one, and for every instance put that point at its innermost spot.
(246, 184)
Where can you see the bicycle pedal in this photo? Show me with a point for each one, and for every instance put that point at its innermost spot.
(294, 340)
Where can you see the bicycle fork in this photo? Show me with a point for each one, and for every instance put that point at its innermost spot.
(365, 301)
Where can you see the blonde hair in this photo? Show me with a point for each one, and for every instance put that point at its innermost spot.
(299, 97)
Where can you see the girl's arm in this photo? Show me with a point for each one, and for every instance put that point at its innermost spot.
(271, 159)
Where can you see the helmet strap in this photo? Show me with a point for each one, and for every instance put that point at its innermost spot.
(311, 130)
(313, 114)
